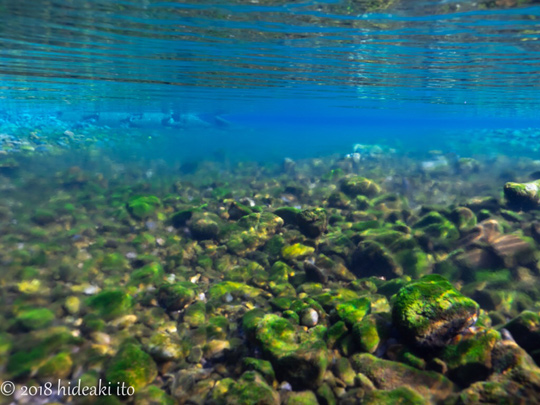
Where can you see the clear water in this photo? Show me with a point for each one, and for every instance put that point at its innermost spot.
(278, 69)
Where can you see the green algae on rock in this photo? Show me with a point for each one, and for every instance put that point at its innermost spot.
(298, 357)
(429, 312)
(312, 222)
(142, 207)
(110, 304)
(132, 367)
(357, 185)
(390, 375)
(522, 195)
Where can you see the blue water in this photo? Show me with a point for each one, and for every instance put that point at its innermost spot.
(291, 78)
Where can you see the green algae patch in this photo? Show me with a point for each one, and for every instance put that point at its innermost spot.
(312, 222)
(174, 297)
(57, 367)
(398, 396)
(429, 312)
(371, 331)
(153, 395)
(300, 358)
(151, 273)
(251, 388)
(296, 251)
(263, 367)
(353, 311)
(522, 195)
(131, 366)
(230, 289)
(357, 185)
(302, 398)
(437, 227)
(110, 304)
(470, 359)
(142, 207)
(34, 318)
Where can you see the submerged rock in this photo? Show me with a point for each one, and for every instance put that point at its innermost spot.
(430, 312)
(390, 375)
(522, 195)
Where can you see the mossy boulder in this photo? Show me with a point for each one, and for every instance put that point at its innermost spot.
(252, 232)
(525, 329)
(288, 214)
(164, 347)
(371, 332)
(437, 227)
(463, 218)
(390, 375)
(371, 258)
(57, 367)
(142, 207)
(263, 367)
(151, 273)
(522, 195)
(312, 222)
(110, 304)
(430, 312)
(43, 216)
(300, 358)
(237, 210)
(34, 318)
(152, 395)
(353, 311)
(174, 297)
(205, 225)
(357, 185)
(398, 396)
(296, 251)
(470, 359)
(302, 398)
(251, 388)
(131, 366)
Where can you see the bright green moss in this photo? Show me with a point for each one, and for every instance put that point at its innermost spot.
(110, 304)
(131, 366)
(35, 318)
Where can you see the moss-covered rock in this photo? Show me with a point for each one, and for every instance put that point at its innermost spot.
(152, 395)
(57, 367)
(525, 329)
(437, 227)
(372, 259)
(371, 332)
(353, 311)
(356, 185)
(312, 222)
(110, 304)
(151, 273)
(430, 312)
(296, 251)
(470, 360)
(250, 388)
(522, 195)
(142, 207)
(131, 366)
(300, 358)
(34, 318)
(390, 375)
(398, 396)
(205, 225)
(174, 297)
(302, 398)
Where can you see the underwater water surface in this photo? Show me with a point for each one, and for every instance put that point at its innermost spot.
(269, 202)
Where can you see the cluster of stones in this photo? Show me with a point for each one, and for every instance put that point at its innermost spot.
(314, 291)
